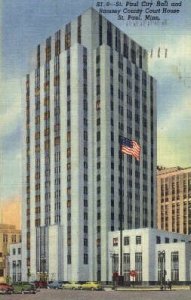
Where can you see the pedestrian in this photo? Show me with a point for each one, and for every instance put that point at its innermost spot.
(169, 284)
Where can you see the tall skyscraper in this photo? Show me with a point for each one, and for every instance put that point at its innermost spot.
(88, 86)
(174, 199)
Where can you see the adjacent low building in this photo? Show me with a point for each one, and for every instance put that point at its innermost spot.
(150, 254)
(14, 261)
(8, 235)
(174, 199)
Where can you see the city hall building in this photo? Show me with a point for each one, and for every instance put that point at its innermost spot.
(88, 86)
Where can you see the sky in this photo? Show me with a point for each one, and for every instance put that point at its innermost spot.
(26, 23)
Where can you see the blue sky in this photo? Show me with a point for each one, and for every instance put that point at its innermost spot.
(26, 23)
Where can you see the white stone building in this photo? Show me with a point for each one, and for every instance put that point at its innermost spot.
(88, 85)
(14, 261)
(151, 253)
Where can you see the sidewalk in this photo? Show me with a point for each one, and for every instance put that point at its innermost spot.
(148, 288)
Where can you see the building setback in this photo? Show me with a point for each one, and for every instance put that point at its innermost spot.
(154, 255)
(174, 199)
(88, 86)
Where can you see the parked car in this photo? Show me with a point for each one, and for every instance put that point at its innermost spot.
(6, 288)
(72, 285)
(40, 284)
(55, 285)
(24, 287)
(30, 289)
(90, 285)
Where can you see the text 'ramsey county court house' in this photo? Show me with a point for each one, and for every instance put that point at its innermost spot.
(88, 86)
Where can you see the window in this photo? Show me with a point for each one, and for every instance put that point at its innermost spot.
(133, 56)
(158, 240)
(85, 258)
(126, 266)
(97, 59)
(125, 47)
(115, 242)
(100, 29)
(175, 266)
(161, 265)
(138, 266)
(85, 216)
(98, 90)
(38, 56)
(14, 251)
(138, 240)
(79, 30)
(126, 240)
(109, 34)
(85, 229)
(99, 259)
(48, 49)
(98, 105)
(98, 136)
(69, 259)
(115, 263)
(68, 37)
(57, 43)
(167, 240)
(5, 238)
(86, 242)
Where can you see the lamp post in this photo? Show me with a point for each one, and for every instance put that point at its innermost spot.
(161, 255)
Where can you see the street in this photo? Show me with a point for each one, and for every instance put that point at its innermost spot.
(102, 295)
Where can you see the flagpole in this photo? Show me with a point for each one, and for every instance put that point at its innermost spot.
(121, 215)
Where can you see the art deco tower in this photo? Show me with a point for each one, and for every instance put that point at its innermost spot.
(88, 86)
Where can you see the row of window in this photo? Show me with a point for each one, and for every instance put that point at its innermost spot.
(14, 252)
(138, 240)
(126, 240)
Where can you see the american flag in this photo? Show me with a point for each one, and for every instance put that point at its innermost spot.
(130, 147)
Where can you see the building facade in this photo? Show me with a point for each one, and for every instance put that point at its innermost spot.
(88, 85)
(14, 261)
(8, 235)
(154, 255)
(174, 199)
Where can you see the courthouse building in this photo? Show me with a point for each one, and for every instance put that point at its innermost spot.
(88, 86)
(174, 199)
